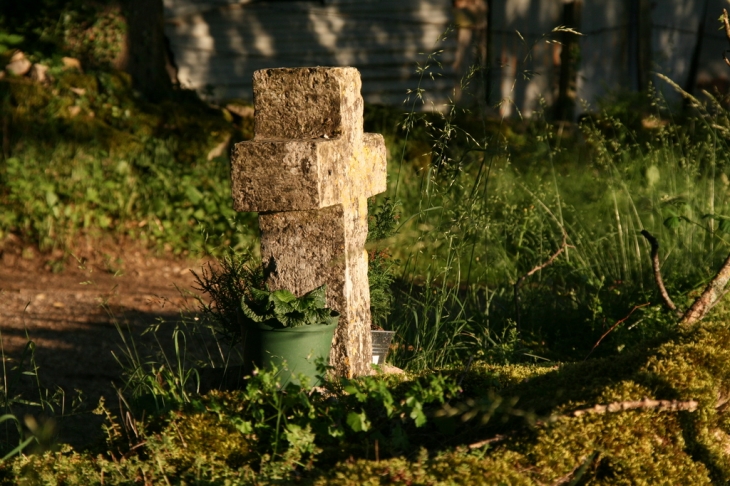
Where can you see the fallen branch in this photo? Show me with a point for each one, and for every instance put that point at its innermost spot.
(614, 327)
(712, 294)
(482, 443)
(658, 273)
(536, 269)
(715, 290)
(646, 404)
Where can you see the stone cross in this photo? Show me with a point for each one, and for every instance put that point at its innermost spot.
(308, 172)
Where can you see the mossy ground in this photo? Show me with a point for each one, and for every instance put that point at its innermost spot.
(536, 439)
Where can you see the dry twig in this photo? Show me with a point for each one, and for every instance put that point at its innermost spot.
(491, 440)
(614, 327)
(712, 294)
(536, 269)
(658, 273)
(646, 403)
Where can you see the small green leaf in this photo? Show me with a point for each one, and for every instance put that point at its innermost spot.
(724, 226)
(358, 421)
(51, 198)
(672, 222)
(243, 426)
(193, 194)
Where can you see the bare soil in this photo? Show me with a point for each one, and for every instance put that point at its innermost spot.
(71, 306)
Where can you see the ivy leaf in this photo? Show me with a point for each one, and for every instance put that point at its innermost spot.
(416, 411)
(243, 426)
(358, 421)
(301, 438)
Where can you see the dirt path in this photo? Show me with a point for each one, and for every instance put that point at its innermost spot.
(72, 316)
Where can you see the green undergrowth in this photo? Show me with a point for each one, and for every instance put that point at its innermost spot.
(89, 157)
(86, 153)
(489, 425)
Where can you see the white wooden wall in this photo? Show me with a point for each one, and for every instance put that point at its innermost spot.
(218, 44)
(605, 52)
(221, 44)
(526, 64)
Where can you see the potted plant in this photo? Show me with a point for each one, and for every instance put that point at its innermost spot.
(292, 333)
(261, 323)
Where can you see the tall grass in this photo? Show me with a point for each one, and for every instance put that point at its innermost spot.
(27, 408)
(494, 199)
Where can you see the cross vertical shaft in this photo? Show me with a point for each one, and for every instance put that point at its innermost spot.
(308, 172)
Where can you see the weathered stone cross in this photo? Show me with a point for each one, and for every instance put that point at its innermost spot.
(308, 172)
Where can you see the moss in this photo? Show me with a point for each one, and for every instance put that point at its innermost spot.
(200, 445)
(620, 448)
(633, 447)
(193, 448)
(450, 468)
(218, 441)
(509, 375)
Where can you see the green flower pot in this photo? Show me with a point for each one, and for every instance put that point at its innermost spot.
(294, 351)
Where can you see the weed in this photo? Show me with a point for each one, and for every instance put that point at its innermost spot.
(226, 285)
(37, 432)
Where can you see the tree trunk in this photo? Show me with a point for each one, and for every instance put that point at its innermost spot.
(569, 58)
(694, 64)
(639, 47)
(146, 55)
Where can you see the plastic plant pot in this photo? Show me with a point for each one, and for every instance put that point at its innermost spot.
(381, 344)
(294, 351)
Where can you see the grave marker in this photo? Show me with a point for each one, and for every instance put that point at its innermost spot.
(308, 172)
